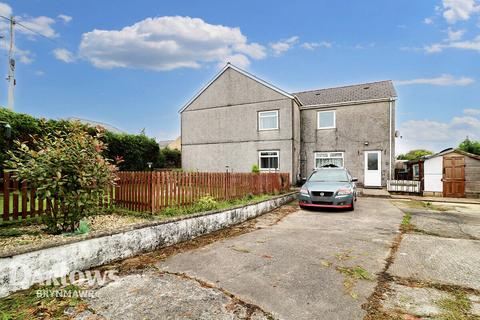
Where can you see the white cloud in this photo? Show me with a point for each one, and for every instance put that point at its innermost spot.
(166, 43)
(41, 25)
(459, 10)
(472, 111)
(314, 45)
(436, 135)
(455, 35)
(64, 55)
(443, 80)
(473, 44)
(428, 21)
(66, 19)
(39, 73)
(283, 45)
(5, 9)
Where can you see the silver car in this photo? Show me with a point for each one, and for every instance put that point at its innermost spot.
(329, 188)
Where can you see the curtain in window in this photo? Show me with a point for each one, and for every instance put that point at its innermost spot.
(321, 162)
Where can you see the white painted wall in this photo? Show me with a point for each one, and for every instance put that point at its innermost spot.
(433, 169)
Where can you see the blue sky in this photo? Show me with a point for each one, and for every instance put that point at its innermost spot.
(133, 64)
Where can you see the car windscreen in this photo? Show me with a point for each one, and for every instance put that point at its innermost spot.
(329, 175)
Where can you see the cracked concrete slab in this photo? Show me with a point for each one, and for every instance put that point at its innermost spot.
(421, 302)
(154, 295)
(289, 268)
(462, 224)
(440, 260)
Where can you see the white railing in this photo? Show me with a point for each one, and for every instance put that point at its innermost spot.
(403, 186)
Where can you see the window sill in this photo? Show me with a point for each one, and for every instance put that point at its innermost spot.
(276, 129)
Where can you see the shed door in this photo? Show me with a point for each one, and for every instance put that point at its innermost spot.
(453, 176)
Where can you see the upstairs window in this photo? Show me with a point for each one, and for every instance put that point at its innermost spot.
(326, 119)
(268, 160)
(323, 159)
(268, 120)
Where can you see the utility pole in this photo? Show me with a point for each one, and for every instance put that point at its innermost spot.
(11, 66)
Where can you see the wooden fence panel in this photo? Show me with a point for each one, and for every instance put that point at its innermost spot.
(150, 191)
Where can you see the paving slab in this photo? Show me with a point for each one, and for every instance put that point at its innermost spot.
(421, 302)
(464, 225)
(440, 260)
(291, 268)
(153, 295)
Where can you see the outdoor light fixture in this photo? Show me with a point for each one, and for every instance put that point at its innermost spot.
(149, 164)
(366, 143)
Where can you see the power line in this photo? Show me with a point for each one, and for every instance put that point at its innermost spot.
(31, 30)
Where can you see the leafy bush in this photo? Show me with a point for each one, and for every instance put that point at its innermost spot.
(255, 168)
(67, 166)
(136, 150)
(206, 203)
(172, 158)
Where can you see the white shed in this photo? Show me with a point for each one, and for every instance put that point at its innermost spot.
(433, 174)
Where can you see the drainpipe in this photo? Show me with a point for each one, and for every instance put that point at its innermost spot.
(390, 142)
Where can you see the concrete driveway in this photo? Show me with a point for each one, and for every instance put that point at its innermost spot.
(309, 265)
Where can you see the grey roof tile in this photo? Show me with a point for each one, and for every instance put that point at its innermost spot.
(357, 92)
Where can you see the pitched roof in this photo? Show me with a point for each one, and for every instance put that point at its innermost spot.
(352, 93)
(245, 73)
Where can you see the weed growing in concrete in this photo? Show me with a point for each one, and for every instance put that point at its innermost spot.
(456, 308)
(406, 223)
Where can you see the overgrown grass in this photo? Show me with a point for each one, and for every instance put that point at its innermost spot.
(357, 272)
(406, 223)
(204, 204)
(27, 305)
(456, 308)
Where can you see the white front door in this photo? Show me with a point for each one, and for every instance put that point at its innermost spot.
(373, 169)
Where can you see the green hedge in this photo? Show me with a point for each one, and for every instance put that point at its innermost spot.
(135, 149)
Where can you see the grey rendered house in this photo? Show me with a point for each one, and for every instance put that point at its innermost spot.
(238, 120)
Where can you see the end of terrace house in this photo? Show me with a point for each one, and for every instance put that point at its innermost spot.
(238, 120)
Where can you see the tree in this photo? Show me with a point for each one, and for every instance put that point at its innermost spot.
(67, 166)
(414, 154)
(470, 146)
(172, 158)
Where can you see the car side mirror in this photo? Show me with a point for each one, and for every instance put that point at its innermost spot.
(354, 179)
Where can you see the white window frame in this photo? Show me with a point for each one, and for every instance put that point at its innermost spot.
(260, 122)
(416, 167)
(317, 155)
(260, 162)
(334, 119)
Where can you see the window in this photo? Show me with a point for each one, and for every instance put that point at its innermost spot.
(372, 159)
(416, 172)
(323, 159)
(268, 120)
(325, 119)
(268, 160)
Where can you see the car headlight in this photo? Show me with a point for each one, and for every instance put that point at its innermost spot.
(344, 192)
(304, 191)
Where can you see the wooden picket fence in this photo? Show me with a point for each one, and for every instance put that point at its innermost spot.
(154, 191)
(150, 191)
(20, 201)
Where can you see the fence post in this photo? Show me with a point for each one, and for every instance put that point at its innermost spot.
(6, 196)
